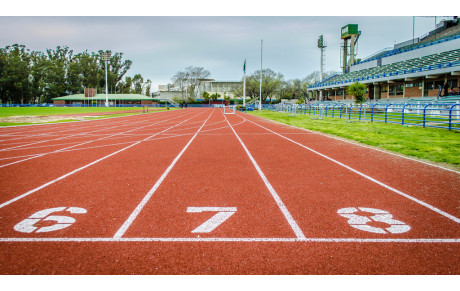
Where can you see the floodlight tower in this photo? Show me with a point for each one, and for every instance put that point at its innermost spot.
(349, 32)
(322, 46)
(105, 57)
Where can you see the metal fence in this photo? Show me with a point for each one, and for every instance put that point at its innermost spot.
(437, 115)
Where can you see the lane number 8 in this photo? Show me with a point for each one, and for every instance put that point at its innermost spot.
(361, 222)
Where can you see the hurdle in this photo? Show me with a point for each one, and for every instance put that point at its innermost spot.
(233, 111)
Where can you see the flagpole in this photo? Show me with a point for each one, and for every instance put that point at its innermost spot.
(260, 96)
(244, 85)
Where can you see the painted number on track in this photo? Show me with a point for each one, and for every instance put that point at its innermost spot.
(223, 213)
(61, 221)
(361, 222)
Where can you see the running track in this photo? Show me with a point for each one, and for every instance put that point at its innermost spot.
(196, 191)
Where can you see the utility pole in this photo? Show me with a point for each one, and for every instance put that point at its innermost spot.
(260, 99)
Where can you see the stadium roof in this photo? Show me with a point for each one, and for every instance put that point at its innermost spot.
(125, 97)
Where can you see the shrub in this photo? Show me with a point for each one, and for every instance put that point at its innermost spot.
(357, 90)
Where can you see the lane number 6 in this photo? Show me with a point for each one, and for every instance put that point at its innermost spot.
(28, 224)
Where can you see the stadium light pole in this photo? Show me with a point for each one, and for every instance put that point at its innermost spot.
(105, 57)
(244, 85)
(260, 94)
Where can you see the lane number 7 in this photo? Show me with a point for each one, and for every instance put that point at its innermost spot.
(223, 213)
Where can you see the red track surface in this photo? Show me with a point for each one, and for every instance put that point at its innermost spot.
(144, 189)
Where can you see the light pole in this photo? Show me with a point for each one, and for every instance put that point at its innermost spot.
(244, 85)
(260, 97)
(105, 57)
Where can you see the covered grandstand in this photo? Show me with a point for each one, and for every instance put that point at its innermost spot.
(99, 100)
(416, 70)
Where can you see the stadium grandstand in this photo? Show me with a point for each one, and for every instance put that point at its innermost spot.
(92, 98)
(416, 69)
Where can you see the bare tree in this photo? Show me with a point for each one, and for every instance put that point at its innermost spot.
(179, 81)
(188, 81)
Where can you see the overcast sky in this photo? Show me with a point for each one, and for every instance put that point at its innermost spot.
(159, 46)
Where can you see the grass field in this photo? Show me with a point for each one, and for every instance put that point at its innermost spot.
(430, 144)
(17, 111)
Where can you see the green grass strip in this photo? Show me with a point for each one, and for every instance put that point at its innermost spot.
(429, 144)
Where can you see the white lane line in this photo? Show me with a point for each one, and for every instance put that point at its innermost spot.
(439, 211)
(83, 143)
(98, 127)
(189, 239)
(165, 135)
(68, 128)
(64, 137)
(86, 166)
(298, 232)
(152, 191)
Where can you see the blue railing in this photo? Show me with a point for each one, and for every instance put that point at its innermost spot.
(435, 115)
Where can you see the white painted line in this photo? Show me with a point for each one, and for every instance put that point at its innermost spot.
(213, 209)
(189, 239)
(99, 127)
(298, 232)
(152, 191)
(439, 211)
(83, 143)
(86, 166)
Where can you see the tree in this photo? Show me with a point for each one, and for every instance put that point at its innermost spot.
(357, 90)
(206, 96)
(313, 78)
(138, 84)
(188, 81)
(215, 96)
(57, 68)
(271, 85)
(148, 87)
(15, 78)
(39, 76)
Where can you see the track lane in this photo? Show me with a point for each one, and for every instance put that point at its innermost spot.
(431, 184)
(95, 128)
(314, 197)
(111, 256)
(105, 190)
(62, 168)
(214, 173)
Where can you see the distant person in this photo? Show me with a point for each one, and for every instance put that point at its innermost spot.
(439, 91)
(446, 89)
(451, 92)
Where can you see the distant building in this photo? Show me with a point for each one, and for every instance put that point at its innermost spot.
(91, 98)
(223, 88)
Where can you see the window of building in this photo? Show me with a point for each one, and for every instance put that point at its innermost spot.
(384, 88)
(452, 83)
(428, 85)
(391, 89)
(409, 85)
(399, 89)
(417, 84)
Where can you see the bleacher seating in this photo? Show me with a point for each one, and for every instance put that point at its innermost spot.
(426, 63)
(411, 47)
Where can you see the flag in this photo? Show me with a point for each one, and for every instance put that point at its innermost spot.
(244, 66)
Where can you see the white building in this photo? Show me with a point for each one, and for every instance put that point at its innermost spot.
(223, 88)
